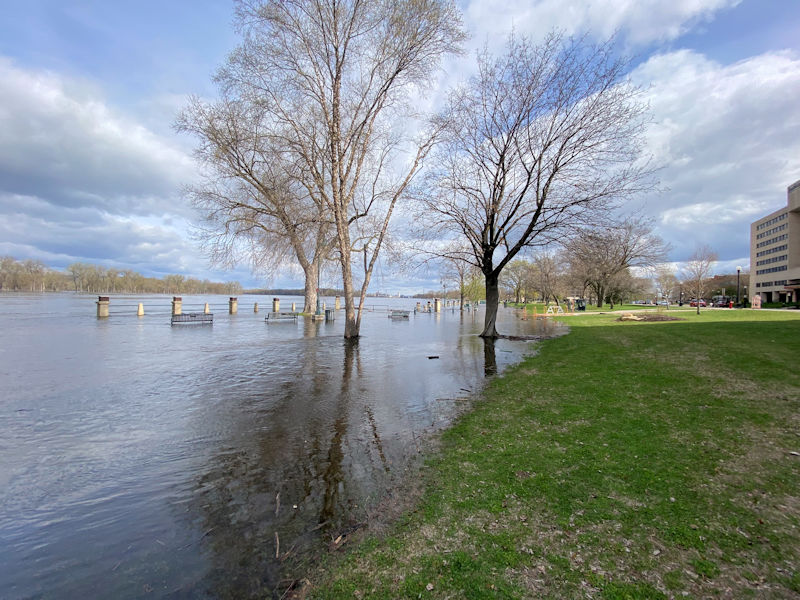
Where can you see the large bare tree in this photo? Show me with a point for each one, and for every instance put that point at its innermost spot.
(697, 271)
(542, 138)
(252, 197)
(335, 76)
(597, 255)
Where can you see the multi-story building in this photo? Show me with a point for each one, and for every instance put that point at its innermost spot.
(775, 252)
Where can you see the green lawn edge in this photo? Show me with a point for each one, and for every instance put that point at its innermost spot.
(623, 460)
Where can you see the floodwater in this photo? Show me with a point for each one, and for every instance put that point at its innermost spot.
(140, 460)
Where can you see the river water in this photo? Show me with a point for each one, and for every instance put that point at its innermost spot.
(143, 460)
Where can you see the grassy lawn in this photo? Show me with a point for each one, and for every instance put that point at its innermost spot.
(624, 460)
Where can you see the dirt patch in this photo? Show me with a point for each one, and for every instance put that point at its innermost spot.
(650, 317)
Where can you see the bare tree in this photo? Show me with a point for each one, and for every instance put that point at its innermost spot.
(698, 270)
(666, 281)
(598, 254)
(253, 201)
(548, 276)
(539, 140)
(515, 277)
(458, 270)
(333, 75)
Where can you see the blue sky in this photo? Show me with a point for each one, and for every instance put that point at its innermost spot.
(91, 169)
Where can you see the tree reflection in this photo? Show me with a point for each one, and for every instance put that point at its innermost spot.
(489, 357)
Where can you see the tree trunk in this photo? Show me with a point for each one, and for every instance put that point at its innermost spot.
(310, 303)
(492, 300)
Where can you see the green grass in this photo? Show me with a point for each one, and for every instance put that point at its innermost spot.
(624, 460)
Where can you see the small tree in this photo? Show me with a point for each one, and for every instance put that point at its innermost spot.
(665, 281)
(698, 270)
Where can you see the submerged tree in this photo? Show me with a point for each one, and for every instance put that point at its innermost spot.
(252, 198)
(539, 141)
(332, 74)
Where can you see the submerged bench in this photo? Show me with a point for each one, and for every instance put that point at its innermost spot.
(399, 314)
(187, 318)
(280, 316)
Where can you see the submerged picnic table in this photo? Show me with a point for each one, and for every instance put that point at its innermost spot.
(280, 316)
(187, 318)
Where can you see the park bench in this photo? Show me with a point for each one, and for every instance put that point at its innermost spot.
(280, 316)
(188, 318)
(399, 314)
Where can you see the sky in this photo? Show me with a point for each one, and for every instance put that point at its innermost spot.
(92, 170)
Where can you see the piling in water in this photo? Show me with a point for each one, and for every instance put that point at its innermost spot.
(233, 306)
(276, 305)
(177, 305)
(337, 303)
(206, 309)
(140, 310)
(293, 307)
(102, 307)
(255, 307)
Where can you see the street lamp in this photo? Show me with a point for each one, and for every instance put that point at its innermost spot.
(738, 272)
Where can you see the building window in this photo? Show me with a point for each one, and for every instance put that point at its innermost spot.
(780, 238)
(771, 270)
(780, 217)
(773, 250)
(771, 231)
(774, 259)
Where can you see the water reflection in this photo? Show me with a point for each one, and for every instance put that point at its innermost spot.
(216, 467)
(489, 357)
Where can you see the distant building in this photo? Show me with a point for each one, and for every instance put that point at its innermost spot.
(775, 252)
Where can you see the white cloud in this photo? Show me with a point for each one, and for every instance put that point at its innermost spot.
(640, 21)
(60, 141)
(728, 137)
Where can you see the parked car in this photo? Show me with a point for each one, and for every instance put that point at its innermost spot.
(695, 302)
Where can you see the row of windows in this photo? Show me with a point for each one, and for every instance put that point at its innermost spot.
(771, 231)
(774, 259)
(772, 221)
(773, 250)
(771, 270)
(770, 283)
(780, 238)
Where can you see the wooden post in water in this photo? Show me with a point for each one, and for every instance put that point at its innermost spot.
(255, 307)
(233, 306)
(102, 307)
(337, 304)
(437, 305)
(140, 310)
(294, 307)
(276, 305)
(206, 309)
(177, 305)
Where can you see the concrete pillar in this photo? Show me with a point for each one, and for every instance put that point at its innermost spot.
(276, 305)
(140, 310)
(429, 306)
(294, 307)
(255, 307)
(233, 306)
(437, 305)
(177, 305)
(337, 303)
(102, 307)
(206, 309)
(419, 307)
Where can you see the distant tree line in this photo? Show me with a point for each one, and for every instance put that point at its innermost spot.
(35, 276)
